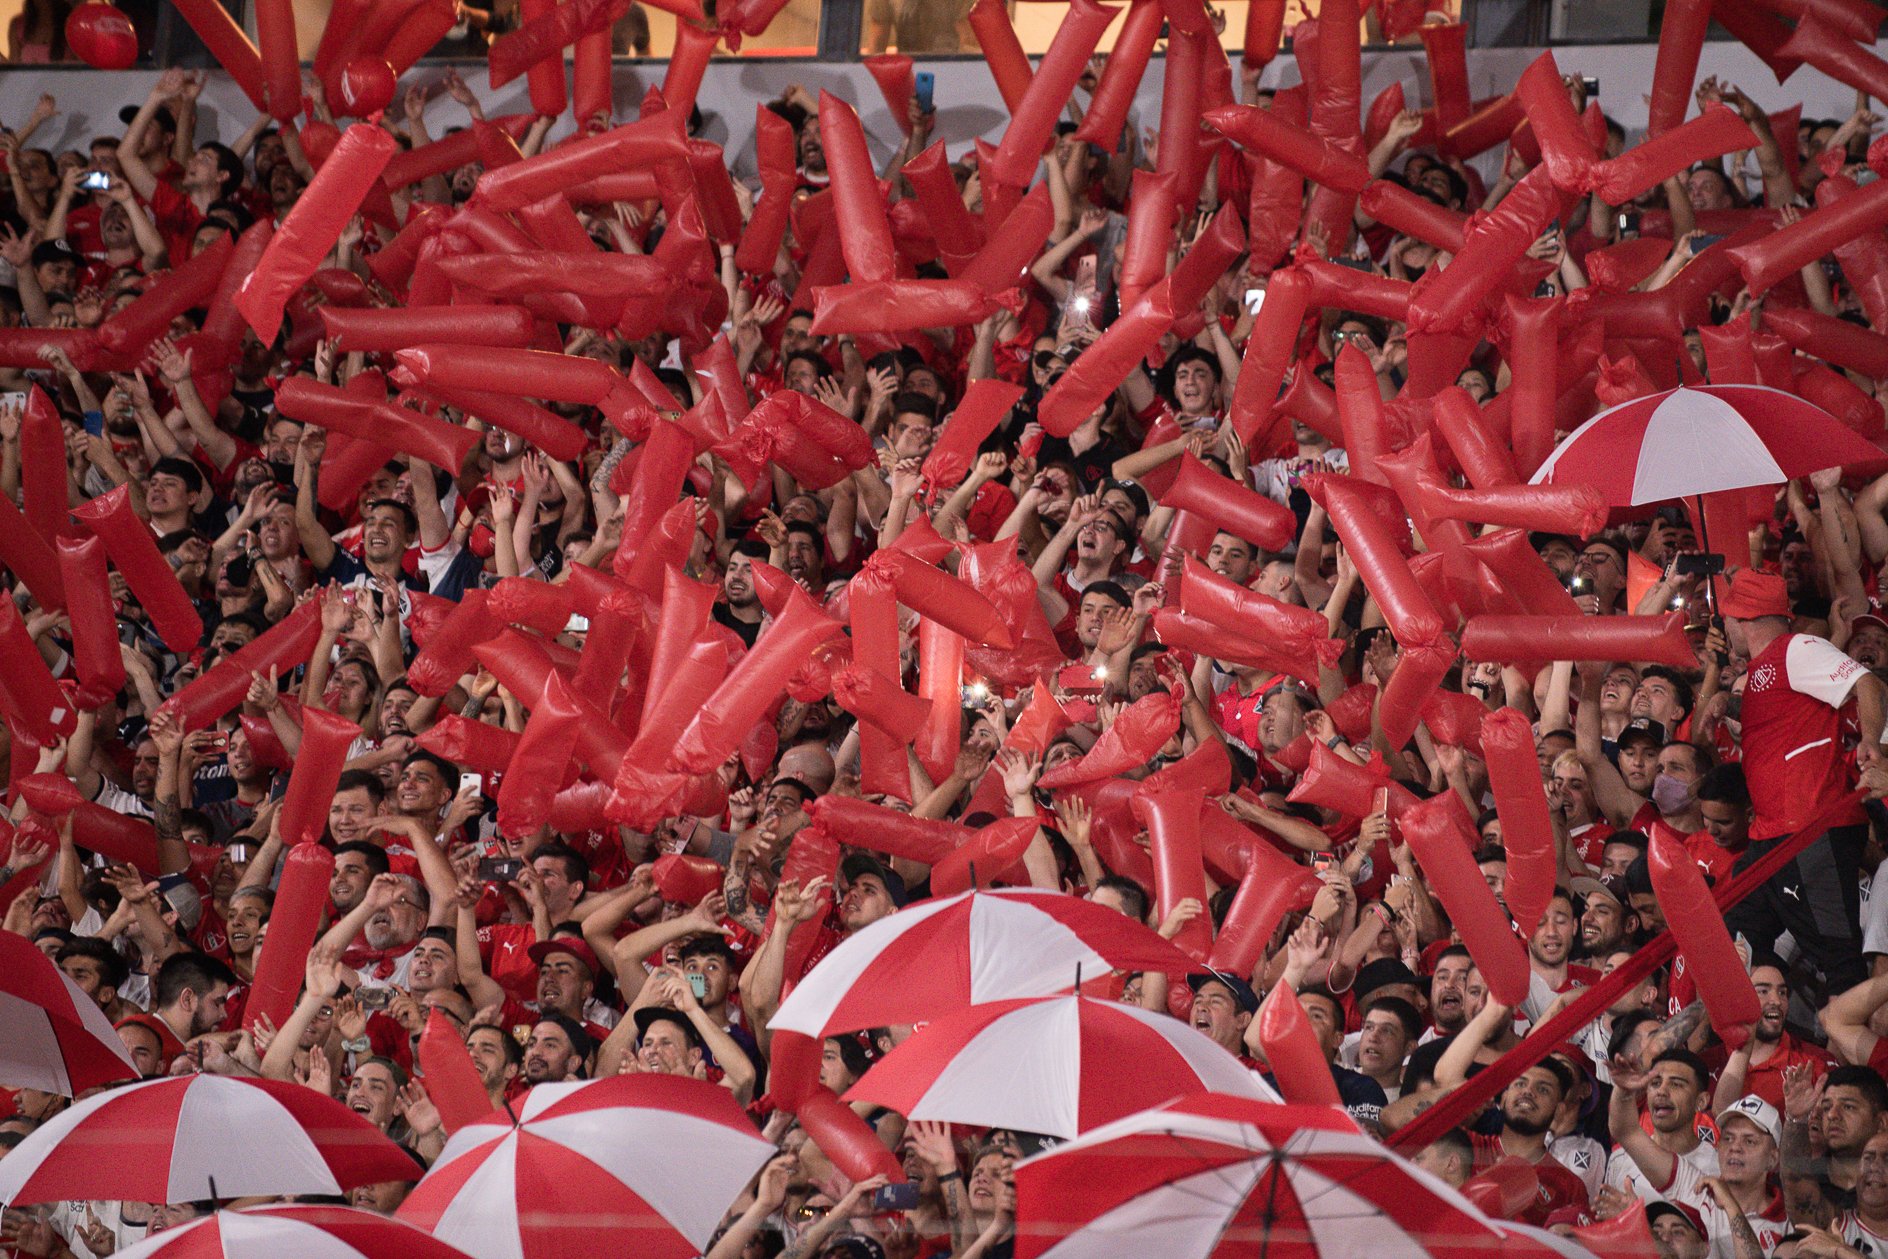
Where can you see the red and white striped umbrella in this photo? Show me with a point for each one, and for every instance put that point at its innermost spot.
(198, 1137)
(1054, 1065)
(642, 1165)
(1700, 440)
(52, 1036)
(942, 955)
(300, 1232)
(1211, 1177)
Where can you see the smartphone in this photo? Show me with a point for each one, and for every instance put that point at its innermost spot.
(1579, 584)
(1322, 861)
(1705, 242)
(94, 422)
(500, 869)
(698, 986)
(1380, 802)
(924, 90)
(373, 998)
(1591, 85)
(474, 782)
(1696, 564)
(240, 570)
(896, 1198)
(1079, 678)
(1255, 299)
(239, 853)
(95, 181)
(219, 742)
(1629, 223)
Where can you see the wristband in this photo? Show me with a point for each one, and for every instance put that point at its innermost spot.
(360, 1046)
(1334, 742)
(950, 1176)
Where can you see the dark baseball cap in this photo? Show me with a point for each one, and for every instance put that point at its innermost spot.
(860, 864)
(1382, 973)
(1241, 990)
(162, 115)
(56, 250)
(1643, 730)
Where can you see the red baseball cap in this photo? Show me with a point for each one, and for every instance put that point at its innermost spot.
(1753, 594)
(567, 944)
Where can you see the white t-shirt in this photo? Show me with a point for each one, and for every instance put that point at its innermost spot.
(1584, 1157)
(1849, 1227)
(1688, 1176)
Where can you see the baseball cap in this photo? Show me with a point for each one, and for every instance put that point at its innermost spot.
(580, 1039)
(1871, 617)
(1241, 990)
(167, 1043)
(650, 1015)
(1382, 973)
(1757, 1111)
(1643, 730)
(860, 864)
(1753, 594)
(566, 944)
(162, 115)
(1661, 1208)
(55, 250)
(1587, 887)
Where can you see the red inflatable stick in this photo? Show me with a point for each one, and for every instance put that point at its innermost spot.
(1445, 49)
(1527, 832)
(1260, 131)
(1151, 210)
(1535, 353)
(546, 430)
(280, 56)
(1681, 40)
(283, 646)
(1272, 886)
(865, 234)
(774, 145)
(448, 652)
(1269, 352)
(1767, 261)
(959, 235)
(938, 596)
(1264, 31)
(1855, 19)
(681, 83)
(1187, 632)
(1293, 630)
(1819, 44)
(27, 556)
(1449, 300)
(42, 465)
(549, 92)
(300, 900)
(650, 141)
(1444, 844)
(443, 445)
(1484, 459)
(153, 582)
(113, 835)
(1292, 1050)
(326, 738)
(425, 26)
(1419, 670)
(1406, 606)
(545, 35)
(840, 1134)
(898, 306)
(940, 679)
(1186, 484)
(395, 328)
(447, 153)
(1704, 941)
(451, 1079)
(1707, 137)
(530, 373)
(29, 695)
(1577, 510)
(992, 853)
(592, 98)
(1507, 555)
(896, 81)
(1396, 206)
(1180, 107)
(754, 684)
(1836, 340)
(470, 744)
(542, 761)
(1121, 77)
(1086, 387)
(861, 825)
(881, 702)
(1033, 118)
(1136, 735)
(1172, 819)
(1651, 639)
(226, 41)
(313, 225)
(985, 404)
(1002, 52)
(190, 285)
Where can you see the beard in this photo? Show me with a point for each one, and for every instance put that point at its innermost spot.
(1527, 1127)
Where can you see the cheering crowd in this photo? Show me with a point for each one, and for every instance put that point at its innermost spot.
(553, 947)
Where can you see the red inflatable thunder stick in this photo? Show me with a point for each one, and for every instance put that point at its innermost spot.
(1439, 833)
(1292, 1051)
(1711, 955)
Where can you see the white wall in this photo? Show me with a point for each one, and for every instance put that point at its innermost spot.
(967, 99)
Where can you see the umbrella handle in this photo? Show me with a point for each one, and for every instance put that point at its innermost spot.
(1711, 585)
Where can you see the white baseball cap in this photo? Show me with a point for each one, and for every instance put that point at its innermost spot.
(1759, 1112)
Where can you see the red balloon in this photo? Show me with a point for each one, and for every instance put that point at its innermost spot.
(365, 86)
(102, 37)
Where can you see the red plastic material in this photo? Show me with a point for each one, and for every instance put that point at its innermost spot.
(1087, 386)
(898, 306)
(1396, 206)
(1122, 75)
(1033, 118)
(1681, 40)
(395, 328)
(865, 234)
(443, 445)
(190, 284)
(1141, 730)
(300, 900)
(1269, 352)
(1767, 261)
(1259, 131)
(1527, 832)
(1272, 886)
(650, 141)
(1444, 843)
(1836, 340)
(753, 685)
(1642, 639)
(1535, 352)
(153, 582)
(1002, 52)
(541, 762)
(1709, 136)
(1172, 818)
(760, 241)
(449, 1075)
(1419, 670)
(1372, 547)
(231, 48)
(992, 853)
(28, 557)
(1711, 956)
(844, 1138)
(1821, 45)
(959, 235)
(29, 695)
(313, 225)
(1292, 1050)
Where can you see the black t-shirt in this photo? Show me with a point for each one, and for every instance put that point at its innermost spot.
(748, 630)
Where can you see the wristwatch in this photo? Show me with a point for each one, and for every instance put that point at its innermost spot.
(360, 1046)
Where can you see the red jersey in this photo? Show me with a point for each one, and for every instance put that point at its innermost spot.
(1793, 755)
(1712, 857)
(505, 948)
(1765, 1078)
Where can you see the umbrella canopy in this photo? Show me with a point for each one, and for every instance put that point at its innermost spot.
(1224, 1176)
(1055, 1065)
(1699, 441)
(945, 954)
(306, 1232)
(199, 1137)
(52, 1036)
(641, 1165)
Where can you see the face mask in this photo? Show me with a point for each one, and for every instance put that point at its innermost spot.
(1669, 795)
